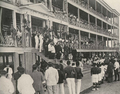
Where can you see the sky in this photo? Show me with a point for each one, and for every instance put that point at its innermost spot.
(115, 4)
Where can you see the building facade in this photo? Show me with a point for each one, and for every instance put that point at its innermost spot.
(93, 27)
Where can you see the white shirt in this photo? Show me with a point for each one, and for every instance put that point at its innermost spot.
(36, 39)
(55, 40)
(116, 65)
(10, 71)
(51, 48)
(41, 38)
(25, 84)
(6, 86)
(51, 76)
(81, 65)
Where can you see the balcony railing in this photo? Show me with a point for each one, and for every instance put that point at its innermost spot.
(86, 6)
(94, 47)
(8, 41)
(90, 26)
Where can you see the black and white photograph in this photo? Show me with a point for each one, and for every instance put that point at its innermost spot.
(59, 46)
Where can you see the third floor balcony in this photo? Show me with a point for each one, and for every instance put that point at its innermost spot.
(91, 9)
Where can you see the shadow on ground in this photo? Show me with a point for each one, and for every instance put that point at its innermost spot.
(86, 90)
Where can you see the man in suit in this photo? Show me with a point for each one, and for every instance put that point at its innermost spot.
(16, 77)
(38, 79)
(58, 50)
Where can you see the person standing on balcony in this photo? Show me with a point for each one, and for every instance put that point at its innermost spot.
(45, 45)
(9, 71)
(36, 41)
(51, 76)
(58, 50)
(41, 42)
(116, 67)
(33, 39)
(51, 50)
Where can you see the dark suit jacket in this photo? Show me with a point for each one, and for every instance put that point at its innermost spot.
(38, 79)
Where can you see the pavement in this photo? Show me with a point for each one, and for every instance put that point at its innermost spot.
(106, 88)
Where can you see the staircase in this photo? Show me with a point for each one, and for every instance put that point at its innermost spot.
(86, 68)
(35, 51)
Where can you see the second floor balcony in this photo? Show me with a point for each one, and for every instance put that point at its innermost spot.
(90, 26)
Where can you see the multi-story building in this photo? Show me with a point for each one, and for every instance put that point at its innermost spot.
(92, 24)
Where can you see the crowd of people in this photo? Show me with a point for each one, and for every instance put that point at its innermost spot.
(103, 70)
(51, 45)
(53, 77)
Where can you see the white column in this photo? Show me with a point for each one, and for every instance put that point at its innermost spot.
(51, 24)
(14, 24)
(79, 39)
(22, 29)
(88, 35)
(95, 5)
(2, 39)
(30, 37)
(14, 19)
(88, 19)
(45, 2)
(111, 43)
(96, 41)
(16, 61)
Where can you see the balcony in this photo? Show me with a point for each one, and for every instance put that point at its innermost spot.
(8, 41)
(59, 14)
(89, 8)
(90, 26)
(94, 47)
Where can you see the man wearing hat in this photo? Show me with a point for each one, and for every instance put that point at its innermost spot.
(6, 86)
(25, 83)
